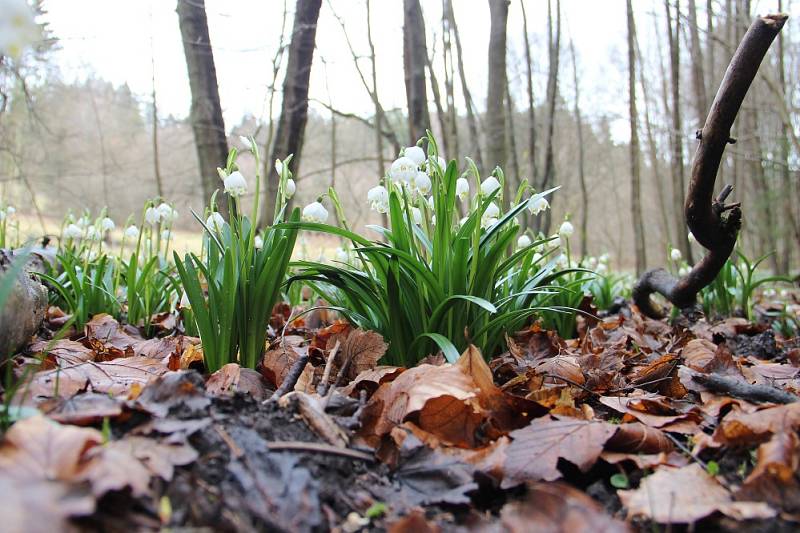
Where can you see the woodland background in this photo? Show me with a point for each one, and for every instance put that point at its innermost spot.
(72, 142)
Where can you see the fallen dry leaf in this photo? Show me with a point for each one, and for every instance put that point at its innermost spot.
(535, 450)
(82, 409)
(557, 508)
(698, 353)
(685, 495)
(61, 353)
(638, 438)
(233, 378)
(775, 477)
(742, 429)
(104, 328)
(364, 349)
(655, 410)
(182, 390)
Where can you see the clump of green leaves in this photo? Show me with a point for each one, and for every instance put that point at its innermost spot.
(234, 284)
(438, 281)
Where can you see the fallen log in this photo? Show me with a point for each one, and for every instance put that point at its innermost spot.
(714, 223)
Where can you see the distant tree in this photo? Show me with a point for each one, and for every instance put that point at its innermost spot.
(294, 109)
(636, 185)
(554, 52)
(495, 114)
(415, 58)
(534, 178)
(206, 112)
(581, 155)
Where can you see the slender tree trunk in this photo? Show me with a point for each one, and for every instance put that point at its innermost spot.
(415, 56)
(156, 164)
(376, 103)
(581, 170)
(711, 65)
(652, 151)
(636, 194)
(294, 111)
(678, 182)
(449, 85)
(277, 59)
(472, 122)
(206, 112)
(534, 178)
(698, 76)
(495, 116)
(102, 144)
(512, 177)
(554, 45)
(441, 116)
(791, 229)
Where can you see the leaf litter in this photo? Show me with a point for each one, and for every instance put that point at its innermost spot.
(612, 431)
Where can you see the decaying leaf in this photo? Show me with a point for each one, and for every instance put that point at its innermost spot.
(656, 411)
(775, 477)
(557, 508)
(363, 349)
(535, 450)
(82, 409)
(638, 438)
(174, 390)
(685, 495)
(742, 429)
(232, 378)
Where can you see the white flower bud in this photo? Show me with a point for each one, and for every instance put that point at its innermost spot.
(132, 232)
(378, 198)
(73, 231)
(235, 184)
(279, 167)
(152, 216)
(258, 242)
(93, 234)
(107, 224)
(416, 215)
(675, 254)
(523, 241)
(566, 230)
(291, 187)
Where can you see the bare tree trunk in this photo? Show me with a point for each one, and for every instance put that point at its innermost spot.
(206, 112)
(534, 178)
(636, 194)
(294, 110)
(156, 165)
(378, 109)
(495, 116)
(415, 56)
(277, 59)
(652, 151)
(441, 116)
(449, 85)
(472, 122)
(554, 46)
(711, 65)
(102, 144)
(678, 183)
(698, 76)
(581, 170)
(513, 177)
(790, 230)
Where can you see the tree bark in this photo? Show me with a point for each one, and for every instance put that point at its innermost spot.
(472, 121)
(581, 170)
(554, 47)
(791, 229)
(532, 170)
(294, 109)
(376, 103)
(678, 182)
(714, 224)
(415, 56)
(698, 75)
(449, 85)
(495, 116)
(636, 195)
(206, 112)
(513, 177)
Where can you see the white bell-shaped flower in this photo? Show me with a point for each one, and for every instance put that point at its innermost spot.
(235, 184)
(422, 183)
(93, 234)
(378, 198)
(675, 254)
(566, 230)
(107, 224)
(403, 170)
(215, 222)
(523, 241)
(537, 204)
(152, 216)
(415, 153)
(291, 187)
(489, 185)
(258, 242)
(416, 215)
(73, 231)
(315, 212)
(131, 232)
(462, 189)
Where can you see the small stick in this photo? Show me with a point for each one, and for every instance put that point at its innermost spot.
(323, 384)
(318, 447)
(742, 389)
(291, 378)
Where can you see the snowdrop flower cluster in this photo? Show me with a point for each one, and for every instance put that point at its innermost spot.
(403, 170)
(93, 234)
(18, 28)
(315, 212)
(235, 184)
(164, 212)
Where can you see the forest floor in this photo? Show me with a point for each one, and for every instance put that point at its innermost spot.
(635, 425)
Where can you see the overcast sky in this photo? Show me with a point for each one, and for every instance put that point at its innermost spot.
(112, 39)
